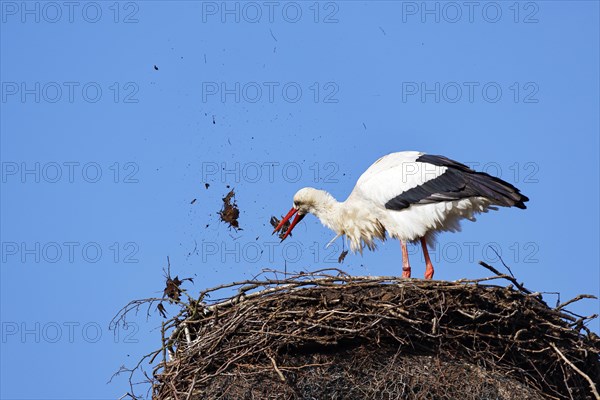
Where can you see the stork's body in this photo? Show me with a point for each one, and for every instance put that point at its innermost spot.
(410, 196)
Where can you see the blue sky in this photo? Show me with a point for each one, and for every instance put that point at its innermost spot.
(102, 153)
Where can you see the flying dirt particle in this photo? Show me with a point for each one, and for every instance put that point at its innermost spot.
(162, 310)
(230, 211)
(193, 201)
(155, 68)
(342, 256)
(207, 185)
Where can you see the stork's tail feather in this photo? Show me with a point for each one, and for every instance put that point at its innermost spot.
(498, 191)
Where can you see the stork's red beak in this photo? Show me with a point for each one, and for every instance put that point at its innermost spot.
(289, 215)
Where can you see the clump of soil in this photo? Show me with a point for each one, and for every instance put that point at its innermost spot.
(275, 221)
(172, 290)
(342, 256)
(230, 211)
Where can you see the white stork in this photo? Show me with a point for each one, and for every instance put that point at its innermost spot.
(411, 196)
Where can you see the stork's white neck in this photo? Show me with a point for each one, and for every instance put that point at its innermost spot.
(327, 209)
(359, 224)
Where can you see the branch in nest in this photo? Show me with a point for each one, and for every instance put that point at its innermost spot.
(276, 368)
(507, 277)
(573, 300)
(580, 372)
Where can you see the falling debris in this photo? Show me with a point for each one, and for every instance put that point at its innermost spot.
(155, 68)
(193, 201)
(230, 212)
(207, 185)
(214, 122)
(272, 35)
(162, 310)
(342, 256)
(275, 221)
(173, 289)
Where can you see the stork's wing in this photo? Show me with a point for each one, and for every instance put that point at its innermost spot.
(400, 180)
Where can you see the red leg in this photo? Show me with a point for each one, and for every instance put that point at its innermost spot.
(405, 263)
(428, 264)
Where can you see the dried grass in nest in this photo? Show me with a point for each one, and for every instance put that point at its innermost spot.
(321, 336)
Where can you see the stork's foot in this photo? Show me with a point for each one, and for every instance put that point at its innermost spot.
(429, 271)
(405, 262)
(428, 264)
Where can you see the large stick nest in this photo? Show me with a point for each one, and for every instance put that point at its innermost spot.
(318, 336)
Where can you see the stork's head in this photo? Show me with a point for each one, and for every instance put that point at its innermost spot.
(306, 200)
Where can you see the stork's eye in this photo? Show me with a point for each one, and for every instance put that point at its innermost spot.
(296, 204)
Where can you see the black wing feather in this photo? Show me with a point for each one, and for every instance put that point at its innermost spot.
(458, 182)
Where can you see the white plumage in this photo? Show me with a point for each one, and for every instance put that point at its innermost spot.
(408, 195)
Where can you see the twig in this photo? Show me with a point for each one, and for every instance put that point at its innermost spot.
(189, 395)
(580, 372)
(502, 261)
(509, 278)
(276, 368)
(573, 300)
